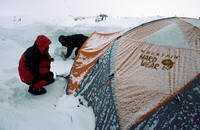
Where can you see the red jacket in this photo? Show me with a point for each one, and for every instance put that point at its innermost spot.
(35, 61)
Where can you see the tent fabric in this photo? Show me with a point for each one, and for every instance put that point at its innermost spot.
(132, 82)
(190, 32)
(98, 90)
(157, 74)
(88, 55)
(183, 111)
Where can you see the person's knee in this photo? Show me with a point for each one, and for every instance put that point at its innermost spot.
(49, 76)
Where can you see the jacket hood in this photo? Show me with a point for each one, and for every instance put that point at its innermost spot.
(42, 42)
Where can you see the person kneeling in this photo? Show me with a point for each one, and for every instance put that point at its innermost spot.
(34, 66)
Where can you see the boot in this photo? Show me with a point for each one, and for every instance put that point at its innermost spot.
(36, 91)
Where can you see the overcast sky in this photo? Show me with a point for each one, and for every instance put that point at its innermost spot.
(122, 8)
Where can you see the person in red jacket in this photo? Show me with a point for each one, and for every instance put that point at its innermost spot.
(34, 66)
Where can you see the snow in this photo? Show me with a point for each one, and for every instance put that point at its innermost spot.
(20, 110)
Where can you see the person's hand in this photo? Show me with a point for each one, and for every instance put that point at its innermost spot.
(52, 59)
(63, 56)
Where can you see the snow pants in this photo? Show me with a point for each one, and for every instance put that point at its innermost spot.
(39, 82)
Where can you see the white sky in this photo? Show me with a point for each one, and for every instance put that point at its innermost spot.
(134, 8)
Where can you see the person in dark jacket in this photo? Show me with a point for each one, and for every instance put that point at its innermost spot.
(71, 42)
(34, 66)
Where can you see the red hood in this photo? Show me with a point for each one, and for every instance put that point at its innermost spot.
(42, 42)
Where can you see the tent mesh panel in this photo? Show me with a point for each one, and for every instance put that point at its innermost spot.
(182, 112)
(97, 89)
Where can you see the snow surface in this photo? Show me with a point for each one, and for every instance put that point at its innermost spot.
(20, 110)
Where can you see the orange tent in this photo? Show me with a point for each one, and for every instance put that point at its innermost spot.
(146, 77)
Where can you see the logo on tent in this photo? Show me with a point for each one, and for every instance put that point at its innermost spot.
(167, 64)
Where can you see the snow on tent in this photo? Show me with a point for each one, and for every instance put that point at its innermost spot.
(145, 78)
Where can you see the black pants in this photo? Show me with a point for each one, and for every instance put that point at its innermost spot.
(48, 77)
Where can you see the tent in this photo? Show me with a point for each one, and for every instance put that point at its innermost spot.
(145, 78)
